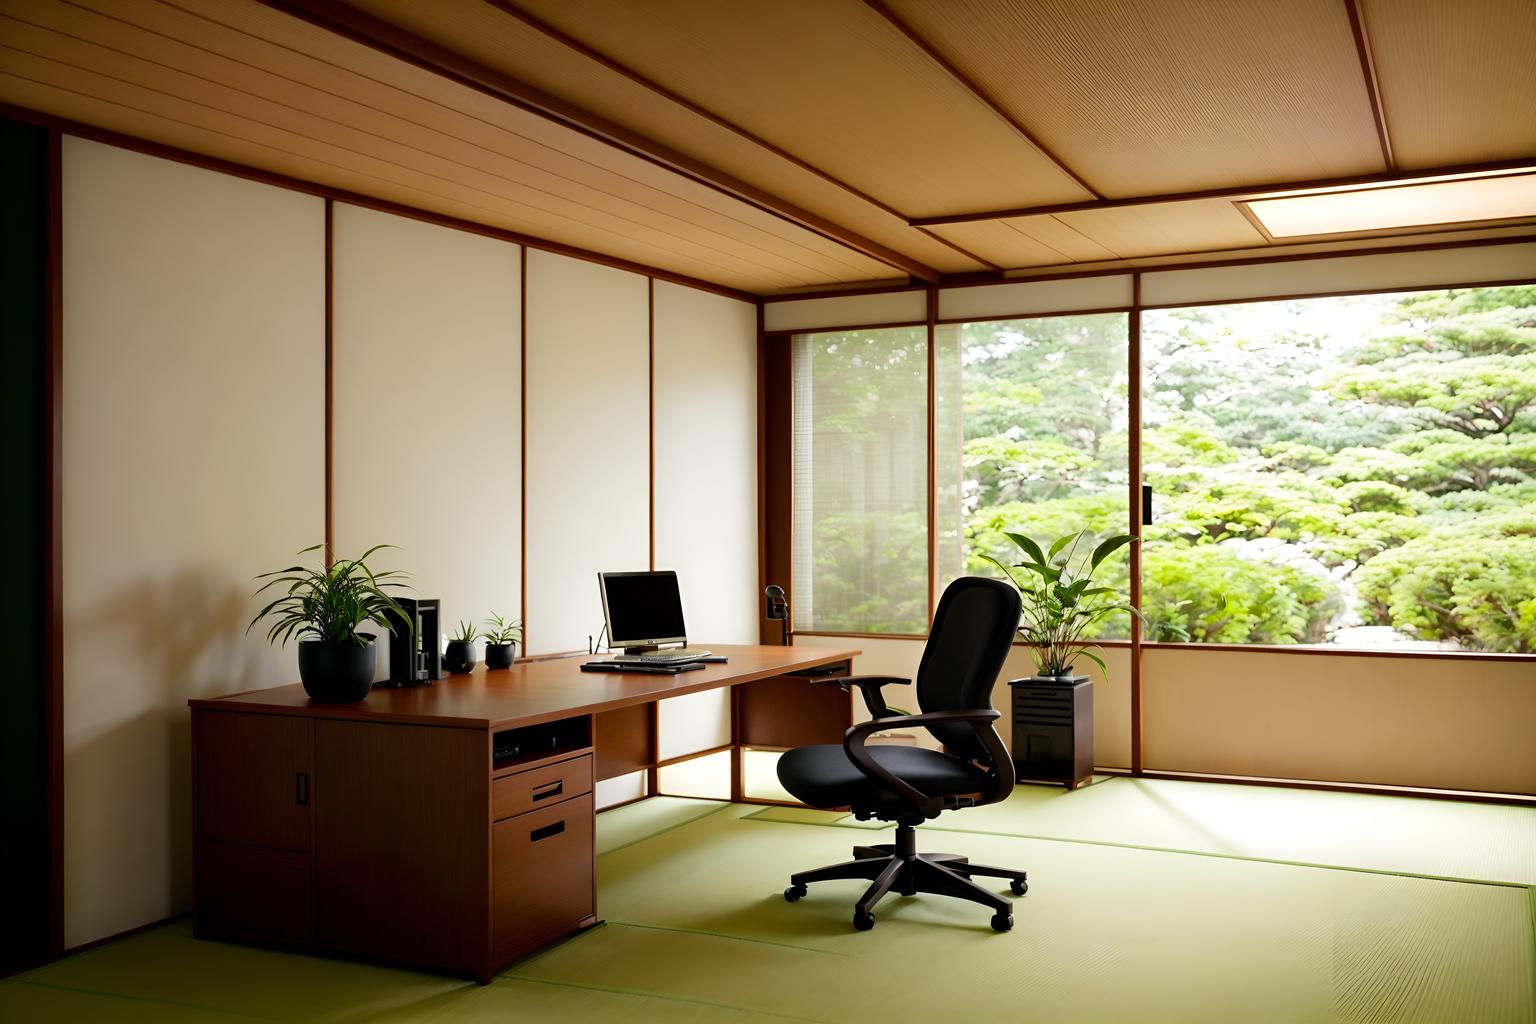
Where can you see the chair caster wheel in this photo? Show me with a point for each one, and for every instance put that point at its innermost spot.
(863, 920)
(1002, 922)
(793, 893)
(1018, 887)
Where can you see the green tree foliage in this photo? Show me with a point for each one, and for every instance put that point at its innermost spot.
(1317, 464)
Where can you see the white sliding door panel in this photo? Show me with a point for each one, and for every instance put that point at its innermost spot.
(588, 442)
(193, 459)
(706, 459)
(427, 424)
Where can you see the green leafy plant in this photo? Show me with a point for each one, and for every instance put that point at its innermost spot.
(329, 604)
(467, 633)
(1061, 604)
(500, 631)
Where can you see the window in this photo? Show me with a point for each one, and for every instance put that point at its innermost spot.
(1031, 432)
(861, 481)
(1357, 471)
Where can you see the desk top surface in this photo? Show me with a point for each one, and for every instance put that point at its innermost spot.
(531, 692)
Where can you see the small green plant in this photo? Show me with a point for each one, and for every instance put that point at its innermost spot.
(330, 603)
(467, 633)
(500, 631)
(1060, 600)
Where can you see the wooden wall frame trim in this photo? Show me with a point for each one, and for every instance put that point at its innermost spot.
(1259, 259)
(1465, 795)
(330, 380)
(522, 438)
(1133, 510)
(53, 575)
(1228, 192)
(650, 414)
(932, 306)
(983, 97)
(211, 163)
(379, 35)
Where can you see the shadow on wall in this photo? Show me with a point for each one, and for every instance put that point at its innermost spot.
(156, 643)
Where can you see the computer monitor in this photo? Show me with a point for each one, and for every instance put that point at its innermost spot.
(642, 609)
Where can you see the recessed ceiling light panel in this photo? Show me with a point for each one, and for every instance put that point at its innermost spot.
(1479, 199)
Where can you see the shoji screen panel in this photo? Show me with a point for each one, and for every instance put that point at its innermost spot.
(706, 459)
(1392, 270)
(588, 474)
(193, 460)
(427, 349)
(909, 306)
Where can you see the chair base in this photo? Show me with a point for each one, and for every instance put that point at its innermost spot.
(899, 867)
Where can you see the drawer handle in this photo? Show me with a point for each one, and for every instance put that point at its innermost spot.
(301, 788)
(546, 832)
(549, 789)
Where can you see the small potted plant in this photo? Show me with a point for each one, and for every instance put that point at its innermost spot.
(324, 608)
(460, 655)
(501, 640)
(1060, 600)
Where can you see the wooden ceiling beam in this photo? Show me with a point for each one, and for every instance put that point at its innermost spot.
(365, 29)
(985, 98)
(1236, 192)
(1372, 85)
(511, 9)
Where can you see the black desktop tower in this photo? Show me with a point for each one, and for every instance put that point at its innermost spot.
(1053, 730)
(415, 659)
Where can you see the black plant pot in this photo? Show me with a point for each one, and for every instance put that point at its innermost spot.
(460, 656)
(337, 673)
(499, 655)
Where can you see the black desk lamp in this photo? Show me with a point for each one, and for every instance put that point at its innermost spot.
(778, 608)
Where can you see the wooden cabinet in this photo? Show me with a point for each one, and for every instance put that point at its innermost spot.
(400, 841)
(254, 779)
(543, 875)
(255, 825)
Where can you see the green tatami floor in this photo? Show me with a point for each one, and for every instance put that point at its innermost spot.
(1149, 901)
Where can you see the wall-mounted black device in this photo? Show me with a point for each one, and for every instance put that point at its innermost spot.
(415, 656)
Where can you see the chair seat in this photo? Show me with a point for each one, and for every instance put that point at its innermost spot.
(823, 776)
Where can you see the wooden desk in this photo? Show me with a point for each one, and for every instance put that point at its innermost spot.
(387, 828)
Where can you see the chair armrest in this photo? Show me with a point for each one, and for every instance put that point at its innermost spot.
(869, 686)
(980, 720)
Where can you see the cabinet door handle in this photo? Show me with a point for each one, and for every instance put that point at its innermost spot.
(546, 832)
(549, 789)
(301, 788)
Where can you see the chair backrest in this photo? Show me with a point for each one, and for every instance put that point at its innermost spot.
(973, 630)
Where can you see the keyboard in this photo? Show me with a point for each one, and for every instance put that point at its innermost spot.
(671, 656)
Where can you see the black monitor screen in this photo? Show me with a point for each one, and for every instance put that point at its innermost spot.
(642, 607)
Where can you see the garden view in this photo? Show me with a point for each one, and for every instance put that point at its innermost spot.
(1358, 471)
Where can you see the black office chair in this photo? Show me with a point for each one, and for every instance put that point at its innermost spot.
(972, 631)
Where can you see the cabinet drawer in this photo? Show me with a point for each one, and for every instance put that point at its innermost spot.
(542, 875)
(540, 787)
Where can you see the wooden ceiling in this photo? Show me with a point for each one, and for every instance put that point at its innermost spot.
(776, 146)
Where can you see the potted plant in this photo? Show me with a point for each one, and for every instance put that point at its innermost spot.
(1060, 601)
(460, 655)
(324, 608)
(501, 640)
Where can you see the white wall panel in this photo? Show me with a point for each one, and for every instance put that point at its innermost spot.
(427, 421)
(695, 722)
(588, 442)
(846, 311)
(1439, 723)
(1405, 270)
(193, 459)
(706, 459)
(1031, 298)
